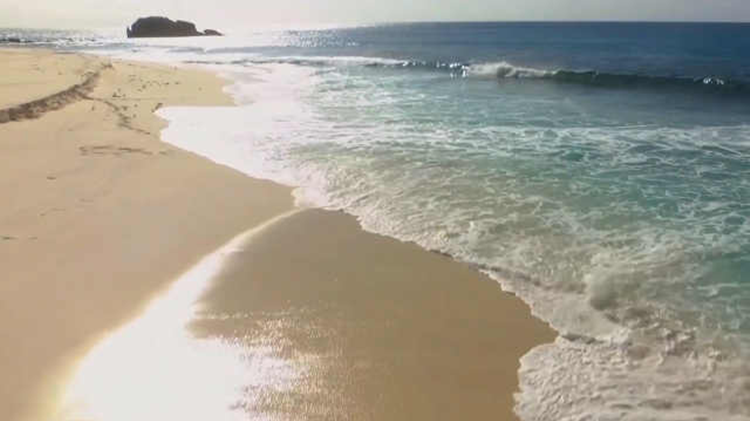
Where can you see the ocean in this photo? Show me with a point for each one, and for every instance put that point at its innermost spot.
(599, 171)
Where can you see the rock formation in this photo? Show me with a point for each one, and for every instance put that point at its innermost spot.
(157, 26)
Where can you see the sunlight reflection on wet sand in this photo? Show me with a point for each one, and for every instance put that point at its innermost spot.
(154, 369)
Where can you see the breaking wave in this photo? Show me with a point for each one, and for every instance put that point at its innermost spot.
(504, 71)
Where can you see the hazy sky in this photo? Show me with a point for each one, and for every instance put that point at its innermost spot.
(237, 13)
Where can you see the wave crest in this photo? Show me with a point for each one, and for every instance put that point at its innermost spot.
(504, 70)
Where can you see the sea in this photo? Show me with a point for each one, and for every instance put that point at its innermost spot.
(599, 171)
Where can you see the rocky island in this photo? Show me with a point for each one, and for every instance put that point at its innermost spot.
(158, 26)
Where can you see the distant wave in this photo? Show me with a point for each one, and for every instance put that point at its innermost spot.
(507, 71)
(46, 37)
(504, 70)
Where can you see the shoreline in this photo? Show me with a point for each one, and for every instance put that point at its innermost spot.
(372, 327)
(137, 125)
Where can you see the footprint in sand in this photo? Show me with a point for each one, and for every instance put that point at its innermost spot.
(111, 150)
(53, 210)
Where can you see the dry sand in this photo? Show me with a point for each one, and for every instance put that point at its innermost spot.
(98, 215)
(29, 75)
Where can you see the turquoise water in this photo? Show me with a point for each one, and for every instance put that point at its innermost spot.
(599, 171)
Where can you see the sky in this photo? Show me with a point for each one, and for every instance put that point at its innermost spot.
(241, 13)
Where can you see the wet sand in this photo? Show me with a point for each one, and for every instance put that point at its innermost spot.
(364, 327)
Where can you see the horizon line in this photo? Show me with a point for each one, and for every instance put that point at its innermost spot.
(412, 22)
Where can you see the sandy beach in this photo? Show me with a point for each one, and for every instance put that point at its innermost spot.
(101, 216)
(98, 214)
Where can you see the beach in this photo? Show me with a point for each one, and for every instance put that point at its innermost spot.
(101, 217)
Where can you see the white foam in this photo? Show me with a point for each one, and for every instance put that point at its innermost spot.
(615, 380)
(246, 137)
(505, 70)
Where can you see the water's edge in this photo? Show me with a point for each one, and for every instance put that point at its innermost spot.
(301, 203)
(600, 367)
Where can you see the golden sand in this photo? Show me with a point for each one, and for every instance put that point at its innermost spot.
(97, 213)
